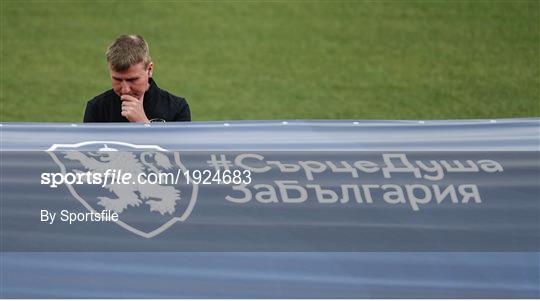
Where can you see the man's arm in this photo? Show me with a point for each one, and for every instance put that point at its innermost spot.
(90, 113)
(184, 113)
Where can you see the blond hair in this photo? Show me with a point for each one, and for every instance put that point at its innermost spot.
(128, 50)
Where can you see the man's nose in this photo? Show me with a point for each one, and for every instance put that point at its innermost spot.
(125, 87)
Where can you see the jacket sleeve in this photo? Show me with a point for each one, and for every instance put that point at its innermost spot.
(184, 113)
(90, 113)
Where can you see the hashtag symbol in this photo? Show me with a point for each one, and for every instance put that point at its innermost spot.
(217, 164)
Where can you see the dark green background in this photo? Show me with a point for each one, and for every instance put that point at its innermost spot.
(281, 60)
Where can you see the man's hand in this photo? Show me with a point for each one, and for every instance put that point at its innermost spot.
(132, 109)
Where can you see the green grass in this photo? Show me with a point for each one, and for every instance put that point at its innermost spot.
(281, 60)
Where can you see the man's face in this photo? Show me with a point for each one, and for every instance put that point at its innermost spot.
(133, 81)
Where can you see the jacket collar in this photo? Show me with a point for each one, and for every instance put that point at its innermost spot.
(151, 96)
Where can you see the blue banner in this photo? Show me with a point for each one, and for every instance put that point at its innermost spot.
(439, 188)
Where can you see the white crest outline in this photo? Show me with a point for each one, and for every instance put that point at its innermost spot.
(124, 225)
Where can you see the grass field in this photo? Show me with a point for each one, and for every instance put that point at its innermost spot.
(281, 60)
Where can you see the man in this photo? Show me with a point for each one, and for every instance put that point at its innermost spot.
(134, 96)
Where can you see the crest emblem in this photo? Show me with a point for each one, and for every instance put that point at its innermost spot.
(145, 207)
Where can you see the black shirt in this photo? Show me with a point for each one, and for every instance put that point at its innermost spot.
(157, 103)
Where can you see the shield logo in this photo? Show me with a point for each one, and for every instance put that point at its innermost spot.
(144, 184)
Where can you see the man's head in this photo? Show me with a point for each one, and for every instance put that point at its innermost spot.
(130, 65)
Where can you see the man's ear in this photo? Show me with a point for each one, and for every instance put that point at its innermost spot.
(150, 68)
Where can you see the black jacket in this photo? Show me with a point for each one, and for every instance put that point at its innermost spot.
(158, 103)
